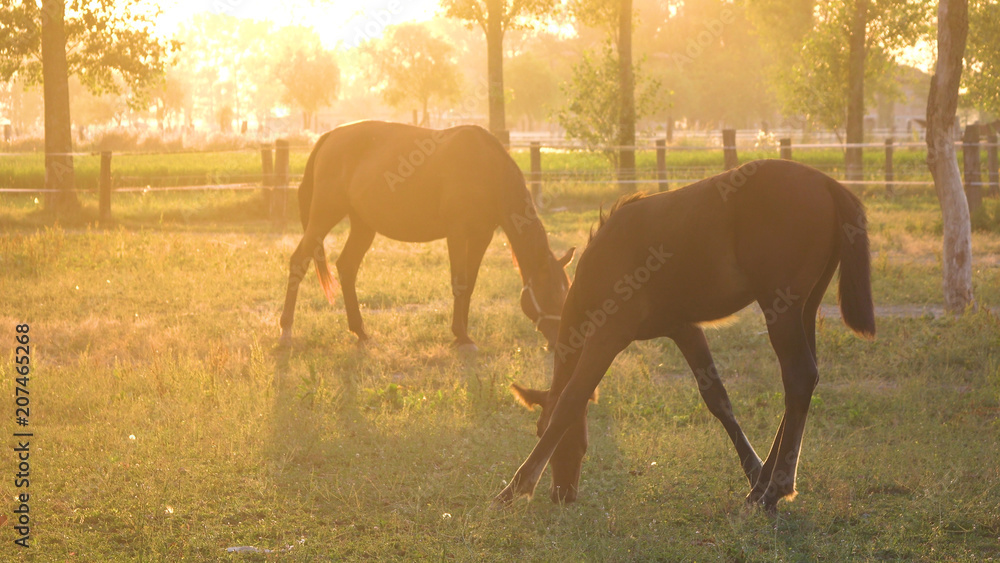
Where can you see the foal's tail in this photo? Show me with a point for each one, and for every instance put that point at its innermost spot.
(305, 202)
(855, 290)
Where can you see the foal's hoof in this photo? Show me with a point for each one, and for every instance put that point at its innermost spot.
(758, 502)
(465, 346)
(504, 499)
(560, 496)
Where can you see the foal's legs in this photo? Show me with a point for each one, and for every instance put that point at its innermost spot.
(465, 251)
(691, 341)
(568, 420)
(808, 317)
(799, 377)
(311, 243)
(358, 242)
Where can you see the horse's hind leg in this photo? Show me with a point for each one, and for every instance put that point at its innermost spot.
(358, 242)
(808, 315)
(312, 242)
(692, 343)
(799, 377)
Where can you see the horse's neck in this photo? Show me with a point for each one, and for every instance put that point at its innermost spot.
(527, 236)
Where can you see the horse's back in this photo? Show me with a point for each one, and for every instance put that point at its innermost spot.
(410, 183)
(730, 239)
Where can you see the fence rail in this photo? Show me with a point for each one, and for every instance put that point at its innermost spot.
(275, 174)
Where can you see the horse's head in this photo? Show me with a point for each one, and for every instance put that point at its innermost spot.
(544, 293)
(567, 460)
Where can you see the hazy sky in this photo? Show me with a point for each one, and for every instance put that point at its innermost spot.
(336, 21)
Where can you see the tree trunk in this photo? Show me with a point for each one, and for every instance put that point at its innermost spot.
(58, 126)
(856, 92)
(626, 117)
(494, 65)
(953, 27)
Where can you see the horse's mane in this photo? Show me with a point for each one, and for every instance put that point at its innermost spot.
(621, 202)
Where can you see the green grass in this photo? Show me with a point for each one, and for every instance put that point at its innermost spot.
(162, 328)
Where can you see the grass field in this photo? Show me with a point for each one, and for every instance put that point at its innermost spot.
(166, 427)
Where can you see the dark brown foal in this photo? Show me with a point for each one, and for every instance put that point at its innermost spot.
(769, 231)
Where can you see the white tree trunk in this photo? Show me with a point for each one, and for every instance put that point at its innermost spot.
(953, 26)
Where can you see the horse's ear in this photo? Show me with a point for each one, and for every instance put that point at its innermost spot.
(567, 258)
(528, 397)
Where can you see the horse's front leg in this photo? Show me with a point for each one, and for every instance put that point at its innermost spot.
(567, 424)
(465, 253)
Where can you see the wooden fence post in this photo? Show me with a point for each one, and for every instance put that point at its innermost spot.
(730, 160)
(992, 164)
(890, 188)
(536, 171)
(661, 164)
(267, 172)
(266, 165)
(786, 148)
(280, 199)
(104, 202)
(973, 172)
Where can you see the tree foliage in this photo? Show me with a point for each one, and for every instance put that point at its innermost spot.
(308, 72)
(811, 74)
(110, 45)
(514, 14)
(594, 101)
(534, 88)
(982, 57)
(414, 67)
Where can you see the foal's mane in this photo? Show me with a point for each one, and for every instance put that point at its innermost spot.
(621, 202)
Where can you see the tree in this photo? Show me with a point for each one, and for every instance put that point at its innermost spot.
(308, 72)
(707, 54)
(594, 108)
(109, 45)
(626, 87)
(615, 16)
(497, 17)
(836, 56)
(982, 58)
(534, 88)
(953, 26)
(414, 66)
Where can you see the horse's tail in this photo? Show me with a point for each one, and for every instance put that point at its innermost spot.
(305, 202)
(855, 289)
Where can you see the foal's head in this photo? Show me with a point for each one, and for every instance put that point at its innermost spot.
(544, 293)
(567, 460)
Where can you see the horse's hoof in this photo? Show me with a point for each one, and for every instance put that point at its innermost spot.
(466, 346)
(558, 496)
(504, 499)
(755, 502)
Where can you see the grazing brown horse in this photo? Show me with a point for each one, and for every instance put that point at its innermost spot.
(769, 231)
(417, 185)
